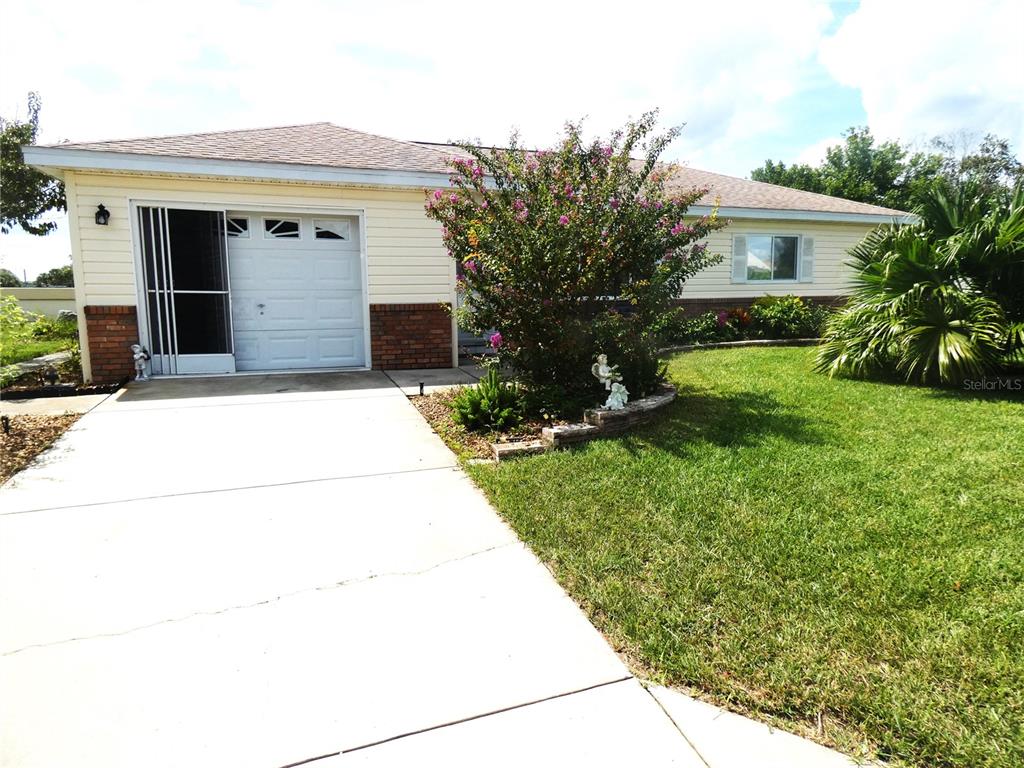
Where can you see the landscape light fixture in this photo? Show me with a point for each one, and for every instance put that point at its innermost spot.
(102, 215)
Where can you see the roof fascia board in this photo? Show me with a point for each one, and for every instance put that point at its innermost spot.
(796, 215)
(50, 159)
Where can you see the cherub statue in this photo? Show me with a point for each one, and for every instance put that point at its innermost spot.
(606, 374)
(140, 356)
(618, 398)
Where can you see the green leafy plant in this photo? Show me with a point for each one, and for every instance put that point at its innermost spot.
(939, 301)
(551, 244)
(492, 405)
(786, 317)
(15, 323)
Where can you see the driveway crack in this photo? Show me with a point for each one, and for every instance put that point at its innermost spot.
(268, 601)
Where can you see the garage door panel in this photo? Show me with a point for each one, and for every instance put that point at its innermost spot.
(297, 303)
(281, 350)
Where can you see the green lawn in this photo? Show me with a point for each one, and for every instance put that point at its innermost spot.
(794, 546)
(16, 353)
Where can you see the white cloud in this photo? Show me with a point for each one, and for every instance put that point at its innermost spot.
(929, 68)
(814, 154)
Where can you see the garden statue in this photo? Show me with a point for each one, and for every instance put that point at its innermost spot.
(606, 374)
(618, 398)
(140, 356)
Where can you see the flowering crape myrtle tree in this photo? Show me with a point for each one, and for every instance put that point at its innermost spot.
(569, 253)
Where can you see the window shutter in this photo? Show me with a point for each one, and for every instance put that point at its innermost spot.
(739, 259)
(807, 260)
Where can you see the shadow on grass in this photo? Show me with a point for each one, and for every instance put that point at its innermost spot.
(733, 419)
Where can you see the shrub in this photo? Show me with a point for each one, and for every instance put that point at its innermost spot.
(552, 244)
(50, 328)
(938, 301)
(786, 317)
(15, 323)
(491, 405)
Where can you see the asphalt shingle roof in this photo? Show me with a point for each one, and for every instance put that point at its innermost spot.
(329, 145)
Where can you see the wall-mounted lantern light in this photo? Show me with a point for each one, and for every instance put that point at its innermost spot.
(102, 215)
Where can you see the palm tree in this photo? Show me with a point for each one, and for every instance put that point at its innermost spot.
(937, 301)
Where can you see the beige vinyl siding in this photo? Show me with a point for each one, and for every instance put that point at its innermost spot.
(406, 261)
(832, 241)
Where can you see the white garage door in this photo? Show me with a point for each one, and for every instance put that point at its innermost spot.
(296, 291)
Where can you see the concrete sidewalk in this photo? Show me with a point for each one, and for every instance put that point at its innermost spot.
(266, 571)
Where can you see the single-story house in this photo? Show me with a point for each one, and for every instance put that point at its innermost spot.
(307, 247)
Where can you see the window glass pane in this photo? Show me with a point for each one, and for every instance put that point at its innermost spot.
(201, 320)
(784, 258)
(281, 228)
(759, 257)
(197, 250)
(238, 227)
(331, 230)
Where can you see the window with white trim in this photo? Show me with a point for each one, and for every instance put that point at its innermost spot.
(238, 226)
(327, 229)
(281, 228)
(772, 257)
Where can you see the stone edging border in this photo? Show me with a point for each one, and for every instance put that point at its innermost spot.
(597, 422)
(747, 343)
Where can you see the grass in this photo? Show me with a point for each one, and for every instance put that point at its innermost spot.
(26, 350)
(842, 558)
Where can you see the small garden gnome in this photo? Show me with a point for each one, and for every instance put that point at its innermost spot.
(606, 374)
(140, 355)
(618, 398)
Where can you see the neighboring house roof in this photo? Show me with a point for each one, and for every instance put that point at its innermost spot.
(326, 152)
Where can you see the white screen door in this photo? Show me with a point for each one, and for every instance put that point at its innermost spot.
(188, 304)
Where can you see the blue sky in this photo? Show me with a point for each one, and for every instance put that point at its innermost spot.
(750, 79)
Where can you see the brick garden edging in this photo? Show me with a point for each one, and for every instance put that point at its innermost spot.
(597, 422)
(737, 344)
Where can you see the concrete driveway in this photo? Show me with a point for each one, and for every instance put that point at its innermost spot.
(268, 571)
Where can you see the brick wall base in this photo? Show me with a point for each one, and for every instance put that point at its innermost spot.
(111, 330)
(694, 307)
(410, 336)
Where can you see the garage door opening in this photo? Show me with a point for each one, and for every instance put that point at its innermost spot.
(184, 264)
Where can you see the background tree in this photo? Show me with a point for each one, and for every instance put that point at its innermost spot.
(8, 279)
(25, 193)
(894, 175)
(58, 277)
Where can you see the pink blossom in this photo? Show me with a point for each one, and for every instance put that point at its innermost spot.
(518, 204)
(521, 216)
(659, 205)
(723, 318)
(470, 266)
(496, 340)
(438, 194)
(563, 219)
(483, 204)
(568, 190)
(614, 203)
(453, 197)
(606, 151)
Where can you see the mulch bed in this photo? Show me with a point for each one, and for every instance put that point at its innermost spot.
(436, 409)
(29, 436)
